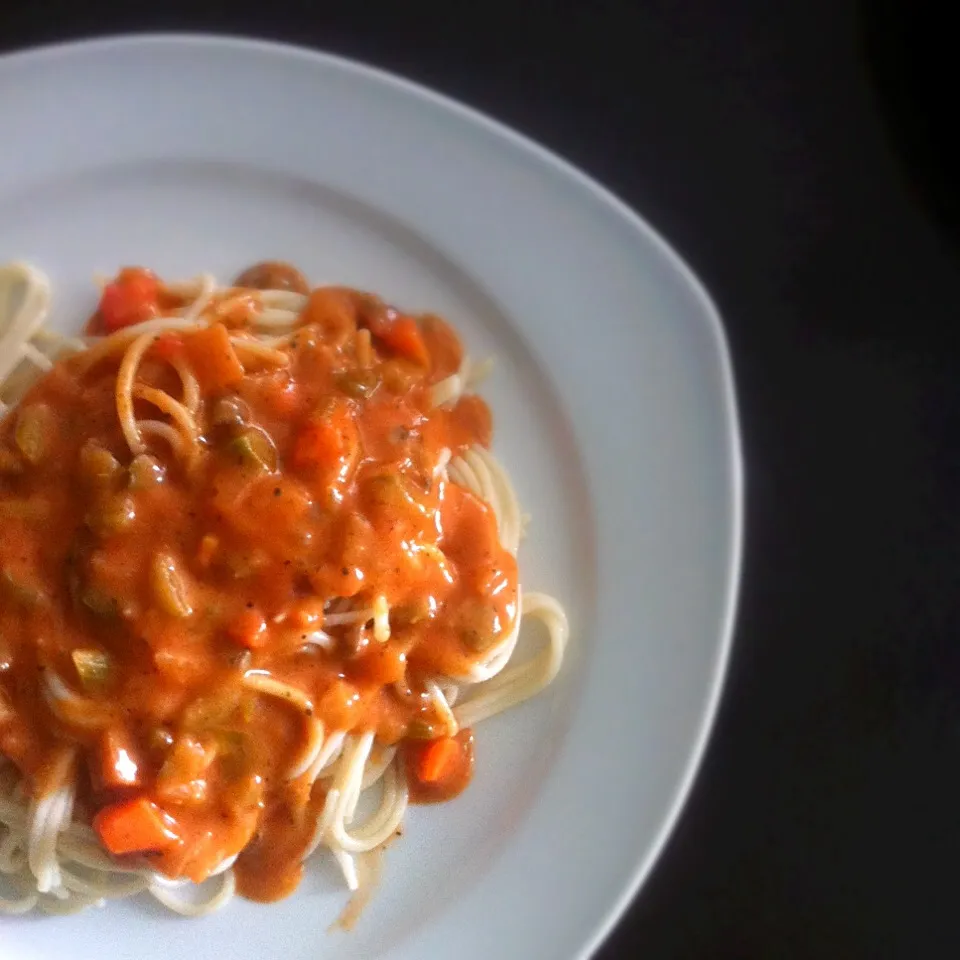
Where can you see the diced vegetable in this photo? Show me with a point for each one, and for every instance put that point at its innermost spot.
(145, 472)
(132, 298)
(403, 337)
(420, 729)
(169, 588)
(399, 375)
(230, 411)
(248, 629)
(94, 668)
(119, 766)
(358, 383)
(471, 422)
(20, 589)
(207, 550)
(443, 345)
(97, 464)
(334, 311)
(328, 442)
(160, 739)
(255, 449)
(273, 275)
(135, 826)
(168, 346)
(414, 611)
(181, 778)
(97, 601)
(111, 516)
(215, 362)
(478, 624)
(385, 490)
(35, 432)
(438, 760)
(363, 348)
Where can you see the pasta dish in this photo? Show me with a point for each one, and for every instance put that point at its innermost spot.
(258, 585)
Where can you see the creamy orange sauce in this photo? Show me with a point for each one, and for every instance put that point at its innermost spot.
(269, 526)
(455, 779)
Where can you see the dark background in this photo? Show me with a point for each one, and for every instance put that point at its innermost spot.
(795, 151)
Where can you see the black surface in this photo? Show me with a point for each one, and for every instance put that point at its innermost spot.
(797, 154)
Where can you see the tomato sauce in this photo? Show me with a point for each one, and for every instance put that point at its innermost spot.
(456, 774)
(148, 587)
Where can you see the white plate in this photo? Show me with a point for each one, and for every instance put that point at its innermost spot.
(614, 409)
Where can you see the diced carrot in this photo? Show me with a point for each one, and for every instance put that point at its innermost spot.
(215, 361)
(134, 826)
(181, 778)
(334, 311)
(381, 664)
(403, 337)
(317, 445)
(131, 298)
(168, 346)
(438, 760)
(470, 422)
(329, 443)
(443, 345)
(118, 767)
(308, 614)
(248, 630)
(209, 544)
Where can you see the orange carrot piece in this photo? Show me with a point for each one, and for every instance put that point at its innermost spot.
(118, 760)
(168, 346)
(209, 544)
(134, 826)
(471, 422)
(215, 361)
(327, 443)
(404, 338)
(443, 346)
(130, 299)
(248, 630)
(317, 445)
(438, 759)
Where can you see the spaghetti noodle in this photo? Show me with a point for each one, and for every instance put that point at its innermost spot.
(258, 563)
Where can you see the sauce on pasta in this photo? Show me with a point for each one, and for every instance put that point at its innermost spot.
(156, 609)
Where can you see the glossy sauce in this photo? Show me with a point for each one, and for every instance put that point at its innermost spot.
(261, 535)
(453, 783)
